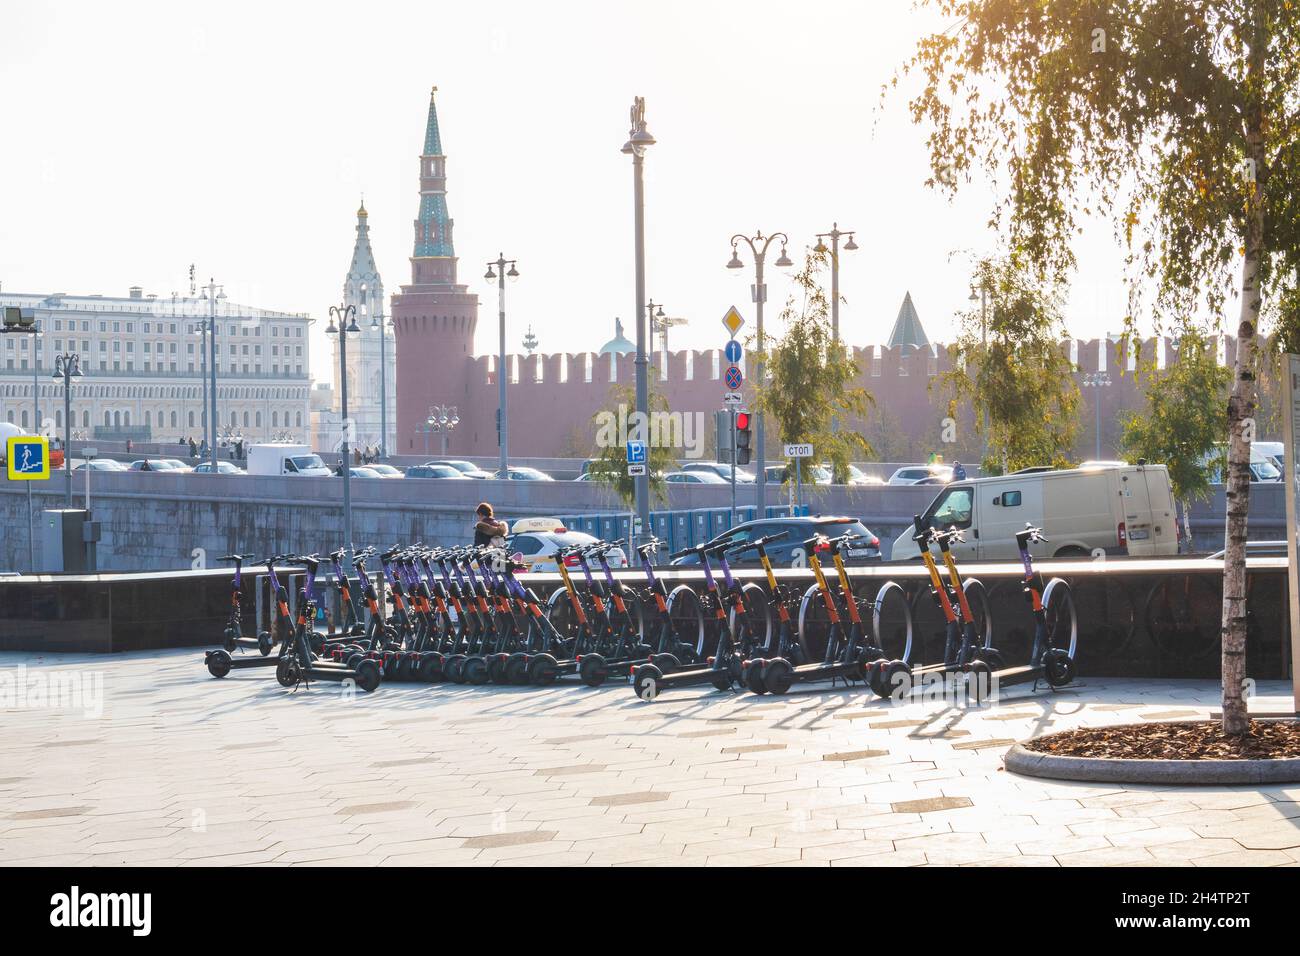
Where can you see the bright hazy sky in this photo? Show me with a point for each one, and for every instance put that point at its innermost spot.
(141, 137)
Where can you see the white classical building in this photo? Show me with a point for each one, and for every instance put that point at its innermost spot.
(372, 369)
(143, 367)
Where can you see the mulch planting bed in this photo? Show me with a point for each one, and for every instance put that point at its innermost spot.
(1182, 740)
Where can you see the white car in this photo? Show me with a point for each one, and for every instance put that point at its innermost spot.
(722, 470)
(911, 474)
(534, 541)
(385, 471)
(101, 464)
(223, 468)
(694, 478)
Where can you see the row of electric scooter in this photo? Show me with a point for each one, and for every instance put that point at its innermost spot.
(462, 615)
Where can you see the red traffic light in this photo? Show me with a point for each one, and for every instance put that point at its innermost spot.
(742, 420)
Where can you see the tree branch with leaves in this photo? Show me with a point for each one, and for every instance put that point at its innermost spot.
(1008, 366)
(811, 378)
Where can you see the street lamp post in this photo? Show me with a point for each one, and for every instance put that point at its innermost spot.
(212, 292)
(835, 235)
(379, 322)
(638, 141)
(497, 270)
(202, 333)
(758, 246)
(67, 366)
(347, 322)
(1097, 381)
(983, 299)
(442, 419)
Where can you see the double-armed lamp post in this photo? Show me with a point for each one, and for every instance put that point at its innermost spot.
(758, 246)
(497, 270)
(347, 322)
(67, 367)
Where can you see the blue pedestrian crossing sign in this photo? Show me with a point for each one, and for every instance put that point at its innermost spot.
(28, 457)
(636, 453)
(732, 352)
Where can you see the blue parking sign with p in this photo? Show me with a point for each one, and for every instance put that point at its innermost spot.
(28, 457)
(636, 453)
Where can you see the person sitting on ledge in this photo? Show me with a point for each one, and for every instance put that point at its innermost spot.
(486, 527)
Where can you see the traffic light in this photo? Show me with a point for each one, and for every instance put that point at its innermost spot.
(743, 435)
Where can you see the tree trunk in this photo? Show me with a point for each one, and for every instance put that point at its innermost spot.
(1241, 411)
(1188, 547)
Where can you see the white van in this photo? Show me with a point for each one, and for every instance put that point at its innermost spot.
(1122, 509)
(282, 458)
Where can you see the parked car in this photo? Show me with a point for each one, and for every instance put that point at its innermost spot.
(223, 468)
(170, 465)
(521, 473)
(100, 464)
(436, 471)
(1126, 509)
(722, 470)
(466, 468)
(533, 543)
(789, 551)
(364, 471)
(811, 474)
(859, 477)
(912, 474)
(385, 471)
(693, 478)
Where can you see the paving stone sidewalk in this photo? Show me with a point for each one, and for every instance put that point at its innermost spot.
(179, 769)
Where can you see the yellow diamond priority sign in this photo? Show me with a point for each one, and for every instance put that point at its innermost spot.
(28, 457)
(732, 321)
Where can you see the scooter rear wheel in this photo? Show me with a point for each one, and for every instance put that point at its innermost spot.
(219, 663)
(893, 678)
(645, 681)
(517, 669)
(593, 670)
(778, 675)
(543, 670)
(455, 668)
(1058, 667)
(754, 676)
(666, 662)
(287, 672)
(476, 671)
(368, 676)
(430, 668)
(496, 667)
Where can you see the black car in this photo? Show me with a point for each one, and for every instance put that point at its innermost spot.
(789, 551)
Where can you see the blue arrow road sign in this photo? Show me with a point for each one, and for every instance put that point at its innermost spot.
(732, 351)
(636, 453)
(734, 378)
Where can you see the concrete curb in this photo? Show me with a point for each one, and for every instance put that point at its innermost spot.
(1032, 763)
